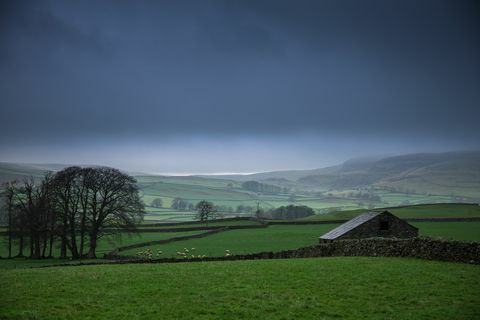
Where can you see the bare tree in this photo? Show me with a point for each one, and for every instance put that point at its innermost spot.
(113, 203)
(68, 185)
(31, 203)
(9, 194)
(76, 205)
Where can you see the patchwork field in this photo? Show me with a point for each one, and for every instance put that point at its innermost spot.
(321, 288)
(229, 193)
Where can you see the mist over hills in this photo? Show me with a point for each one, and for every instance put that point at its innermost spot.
(450, 173)
(439, 173)
(360, 183)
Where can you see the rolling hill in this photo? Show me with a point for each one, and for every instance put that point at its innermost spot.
(357, 183)
(452, 173)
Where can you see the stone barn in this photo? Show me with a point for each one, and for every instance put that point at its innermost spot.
(373, 224)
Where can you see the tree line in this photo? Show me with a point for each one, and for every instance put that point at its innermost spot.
(261, 187)
(289, 212)
(179, 203)
(72, 209)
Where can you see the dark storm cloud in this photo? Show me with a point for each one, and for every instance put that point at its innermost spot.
(149, 70)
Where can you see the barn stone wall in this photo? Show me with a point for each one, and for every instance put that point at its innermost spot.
(397, 228)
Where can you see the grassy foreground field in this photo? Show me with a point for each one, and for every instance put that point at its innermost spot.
(322, 288)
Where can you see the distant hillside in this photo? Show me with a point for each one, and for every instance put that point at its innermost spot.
(289, 175)
(13, 171)
(17, 171)
(452, 173)
(355, 184)
(444, 173)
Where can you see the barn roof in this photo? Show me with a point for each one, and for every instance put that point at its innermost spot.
(349, 225)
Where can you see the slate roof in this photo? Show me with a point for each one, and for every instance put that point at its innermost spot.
(349, 225)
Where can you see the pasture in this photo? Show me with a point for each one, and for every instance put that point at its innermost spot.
(415, 211)
(463, 231)
(109, 242)
(242, 241)
(285, 237)
(273, 238)
(317, 288)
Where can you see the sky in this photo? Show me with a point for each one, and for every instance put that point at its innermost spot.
(180, 87)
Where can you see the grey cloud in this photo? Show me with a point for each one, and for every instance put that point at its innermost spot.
(79, 71)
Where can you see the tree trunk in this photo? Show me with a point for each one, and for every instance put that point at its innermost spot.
(32, 245)
(50, 246)
(10, 229)
(45, 241)
(82, 243)
(63, 245)
(93, 245)
(37, 246)
(73, 240)
(63, 248)
(20, 244)
(82, 233)
(52, 237)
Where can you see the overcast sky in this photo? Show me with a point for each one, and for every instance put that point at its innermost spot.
(236, 86)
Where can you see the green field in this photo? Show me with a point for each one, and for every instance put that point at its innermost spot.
(415, 211)
(224, 223)
(110, 242)
(242, 241)
(229, 193)
(25, 263)
(465, 231)
(284, 237)
(191, 191)
(322, 198)
(273, 238)
(321, 288)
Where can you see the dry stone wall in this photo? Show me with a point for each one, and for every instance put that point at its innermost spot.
(423, 248)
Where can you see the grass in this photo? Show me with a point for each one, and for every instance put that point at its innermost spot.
(438, 211)
(445, 188)
(284, 237)
(416, 211)
(273, 238)
(210, 224)
(23, 263)
(467, 231)
(321, 288)
(108, 243)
